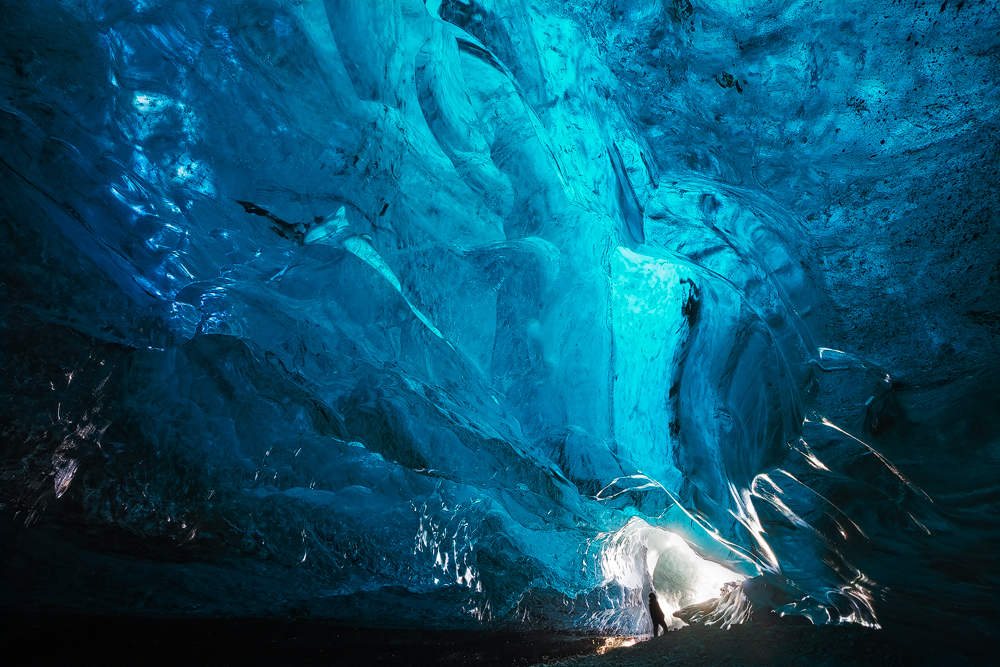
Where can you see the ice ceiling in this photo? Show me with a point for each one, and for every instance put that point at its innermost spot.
(495, 310)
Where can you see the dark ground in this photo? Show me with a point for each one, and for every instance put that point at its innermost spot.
(95, 640)
(67, 639)
(754, 646)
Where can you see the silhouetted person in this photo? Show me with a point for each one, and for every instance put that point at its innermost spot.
(656, 614)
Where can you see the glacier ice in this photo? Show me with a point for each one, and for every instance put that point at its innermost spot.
(509, 313)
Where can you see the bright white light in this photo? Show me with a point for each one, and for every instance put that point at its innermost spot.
(680, 577)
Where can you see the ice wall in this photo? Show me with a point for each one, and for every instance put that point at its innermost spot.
(318, 307)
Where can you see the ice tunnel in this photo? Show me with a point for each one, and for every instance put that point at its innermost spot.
(503, 314)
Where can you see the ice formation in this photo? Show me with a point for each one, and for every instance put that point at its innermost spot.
(495, 310)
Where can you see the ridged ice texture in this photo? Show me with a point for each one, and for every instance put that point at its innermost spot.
(334, 307)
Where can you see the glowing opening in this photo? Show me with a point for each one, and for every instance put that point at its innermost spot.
(640, 557)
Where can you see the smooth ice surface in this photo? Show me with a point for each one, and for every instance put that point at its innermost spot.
(501, 312)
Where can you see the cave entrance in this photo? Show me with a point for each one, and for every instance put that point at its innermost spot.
(643, 558)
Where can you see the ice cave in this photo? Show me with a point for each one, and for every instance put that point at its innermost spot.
(502, 314)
